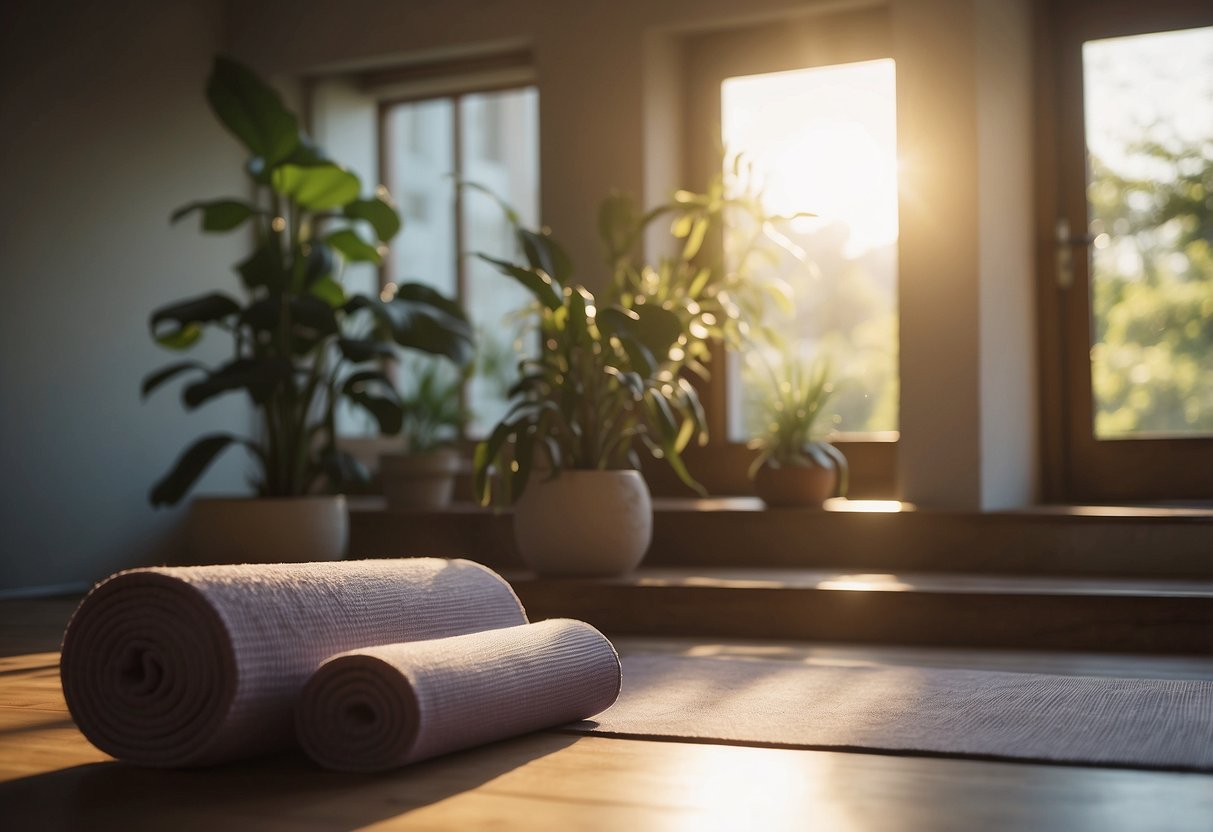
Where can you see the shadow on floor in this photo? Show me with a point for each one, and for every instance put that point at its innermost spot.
(283, 792)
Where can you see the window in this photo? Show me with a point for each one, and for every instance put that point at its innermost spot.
(1129, 298)
(420, 130)
(810, 103)
(822, 140)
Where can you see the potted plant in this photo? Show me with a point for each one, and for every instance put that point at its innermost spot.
(300, 342)
(422, 474)
(793, 466)
(608, 381)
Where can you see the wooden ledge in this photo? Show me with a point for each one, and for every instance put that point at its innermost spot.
(1150, 543)
(904, 608)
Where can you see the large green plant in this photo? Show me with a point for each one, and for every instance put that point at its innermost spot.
(300, 341)
(609, 377)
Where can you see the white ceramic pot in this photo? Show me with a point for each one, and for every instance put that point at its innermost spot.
(424, 480)
(267, 529)
(584, 523)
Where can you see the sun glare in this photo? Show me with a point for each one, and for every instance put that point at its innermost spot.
(821, 140)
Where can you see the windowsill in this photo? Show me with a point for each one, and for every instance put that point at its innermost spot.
(1150, 543)
(1195, 511)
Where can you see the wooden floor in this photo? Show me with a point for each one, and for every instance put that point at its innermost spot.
(51, 778)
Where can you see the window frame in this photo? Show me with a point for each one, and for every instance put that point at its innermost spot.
(813, 40)
(1078, 467)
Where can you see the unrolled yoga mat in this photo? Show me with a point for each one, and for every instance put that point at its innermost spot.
(1140, 723)
(382, 707)
(198, 665)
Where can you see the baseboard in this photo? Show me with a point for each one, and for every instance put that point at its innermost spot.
(23, 593)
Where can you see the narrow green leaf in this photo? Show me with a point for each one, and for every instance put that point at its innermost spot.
(542, 252)
(163, 375)
(188, 468)
(699, 230)
(537, 282)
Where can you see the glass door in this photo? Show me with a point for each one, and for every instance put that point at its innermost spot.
(1134, 258)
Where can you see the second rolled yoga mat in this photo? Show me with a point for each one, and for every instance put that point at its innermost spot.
(382, 707)
(197, 665)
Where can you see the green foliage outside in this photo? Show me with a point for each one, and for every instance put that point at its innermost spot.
(1152, 293)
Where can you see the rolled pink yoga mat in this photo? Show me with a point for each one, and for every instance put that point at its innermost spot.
(197, 665)
(382, 707)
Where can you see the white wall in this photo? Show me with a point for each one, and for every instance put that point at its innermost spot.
(106, 131)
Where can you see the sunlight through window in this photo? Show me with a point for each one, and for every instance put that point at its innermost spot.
(823, 140)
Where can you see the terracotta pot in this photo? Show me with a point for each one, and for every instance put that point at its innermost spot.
(267, 529)
(424, 480)
(795, 485)
(584, 523)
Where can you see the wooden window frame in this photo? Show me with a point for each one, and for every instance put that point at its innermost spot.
(1077, 467)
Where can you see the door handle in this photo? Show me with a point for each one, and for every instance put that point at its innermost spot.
(1066, 243)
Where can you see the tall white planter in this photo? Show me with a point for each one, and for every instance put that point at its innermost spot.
(268, 529)
(584, 523)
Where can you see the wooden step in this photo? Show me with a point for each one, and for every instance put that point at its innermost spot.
(940, 609)
(739, 532)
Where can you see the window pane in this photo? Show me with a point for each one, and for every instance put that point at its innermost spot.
(500, 150)
(823, 140)
(420, 146)
(1149, 130)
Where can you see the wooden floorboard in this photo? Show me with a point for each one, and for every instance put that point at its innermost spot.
(51, 778)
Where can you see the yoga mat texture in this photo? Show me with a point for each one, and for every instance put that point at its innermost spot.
(383, 707)
(183, 666)
(1139, 723)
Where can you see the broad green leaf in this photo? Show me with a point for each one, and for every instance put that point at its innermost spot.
(189, 316)
(353, 247)
(252, 111)
(263, 268)
(358, 350)
(259, 377)
(329, 291)
(180, 339)
(657, 328)
(316, 187)
(380, 213)
(537, 282)
(154, 380)
(188, 468)
(219, 214)
(386, 409)
(423, 319)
